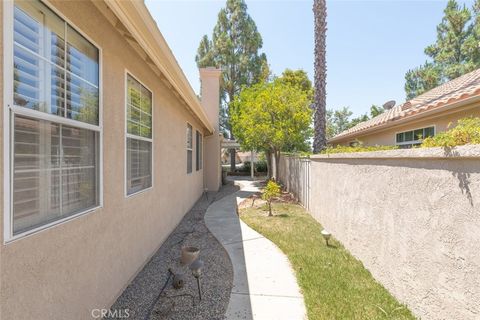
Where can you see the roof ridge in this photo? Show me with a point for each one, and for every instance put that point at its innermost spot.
(460, 88)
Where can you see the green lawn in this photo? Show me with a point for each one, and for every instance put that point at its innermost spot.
(335, 285)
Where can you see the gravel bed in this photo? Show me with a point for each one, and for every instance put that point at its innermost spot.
(216, 280)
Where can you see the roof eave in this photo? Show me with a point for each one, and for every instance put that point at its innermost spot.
(390, 124)
(137, 19)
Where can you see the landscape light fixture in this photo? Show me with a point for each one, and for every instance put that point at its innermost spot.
(196, 268)
(326, 235)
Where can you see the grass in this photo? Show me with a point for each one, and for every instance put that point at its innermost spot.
(335, 285)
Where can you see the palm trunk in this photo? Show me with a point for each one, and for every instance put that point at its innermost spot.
(320, 99)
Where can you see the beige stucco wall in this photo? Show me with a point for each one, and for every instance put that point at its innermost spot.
(440, 121)
(65, 271)
(412, 217)
(210, 92)
(294, 173)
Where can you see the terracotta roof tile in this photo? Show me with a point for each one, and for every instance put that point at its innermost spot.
(458, 89)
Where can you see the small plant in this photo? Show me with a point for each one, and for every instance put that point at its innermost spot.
(467, 131)
(272, 190)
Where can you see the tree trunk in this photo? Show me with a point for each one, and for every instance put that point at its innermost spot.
(268, 155)
(270, 208)
(231, 97)
(277, 163)
(232, 160)
(320, 99)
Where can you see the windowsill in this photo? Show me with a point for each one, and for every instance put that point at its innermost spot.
(49, 225)
(138, 192)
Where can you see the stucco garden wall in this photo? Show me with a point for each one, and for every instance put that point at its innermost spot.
(66, 271)
(411, 216)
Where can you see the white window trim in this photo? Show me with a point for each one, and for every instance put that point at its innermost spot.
(196, 150)
(8, 46)
(189, 149)
(132, 136)
(413, 141)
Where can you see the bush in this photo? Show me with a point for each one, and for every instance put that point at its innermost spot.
(467, 131)
(272, 190)
(359, 148)
(260, 166)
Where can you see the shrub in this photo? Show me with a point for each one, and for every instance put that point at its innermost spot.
(272, 190)
(245, 167)
(260, 166)
(467, 131)
(358, 148)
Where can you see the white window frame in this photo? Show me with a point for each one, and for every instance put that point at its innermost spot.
(10, 109)
(132, 136)
(413, 141)
(189, 149)
(196, 150)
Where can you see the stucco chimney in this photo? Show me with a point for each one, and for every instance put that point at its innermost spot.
(210, 93)
(210, 98)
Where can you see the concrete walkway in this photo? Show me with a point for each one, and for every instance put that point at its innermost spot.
(264, 285)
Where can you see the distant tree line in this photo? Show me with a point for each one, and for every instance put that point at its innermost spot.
(340, 120)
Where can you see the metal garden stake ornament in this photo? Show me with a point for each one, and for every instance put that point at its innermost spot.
(196, 268)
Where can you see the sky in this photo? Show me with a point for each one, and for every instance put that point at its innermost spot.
(370, 44)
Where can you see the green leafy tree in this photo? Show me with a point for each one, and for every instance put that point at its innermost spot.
(234, 48)
(376, 111)
(339, 120)
(471, 44)
(358, 120)
(298, 78)
(272, 117)
(271, 191)
(454, 53)
(422, 79)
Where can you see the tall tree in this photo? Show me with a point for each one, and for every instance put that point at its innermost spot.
(320, 99)
(273, 117)
(234, 48)
(339, 120)
(422, 79)
(454, 53)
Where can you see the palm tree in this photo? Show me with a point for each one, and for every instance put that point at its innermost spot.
(320, 101)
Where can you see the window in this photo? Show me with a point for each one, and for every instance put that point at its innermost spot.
(139, 137)
(415, 137)
(199, 151)
(189, 148)
(55, 133)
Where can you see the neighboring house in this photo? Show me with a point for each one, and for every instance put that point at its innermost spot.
(105, 148)
(227, 145)
(247, 156)
(407, 124)
(226, 157)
